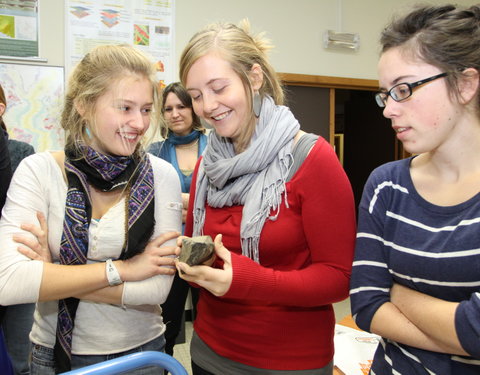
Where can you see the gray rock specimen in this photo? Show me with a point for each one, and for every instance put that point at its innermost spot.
(196, 250)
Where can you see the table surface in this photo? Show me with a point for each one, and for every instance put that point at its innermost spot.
(349, 322)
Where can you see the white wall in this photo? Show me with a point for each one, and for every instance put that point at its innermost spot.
(295, 28)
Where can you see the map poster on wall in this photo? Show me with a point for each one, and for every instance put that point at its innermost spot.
(146, 24)
(19, 28)
(34, 96)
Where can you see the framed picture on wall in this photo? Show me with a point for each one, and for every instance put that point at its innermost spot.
(19, 28)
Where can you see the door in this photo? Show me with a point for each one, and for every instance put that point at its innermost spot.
(344, 110)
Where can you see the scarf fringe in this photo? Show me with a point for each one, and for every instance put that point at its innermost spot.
(198, 220)
(250, 248)
(271, 201)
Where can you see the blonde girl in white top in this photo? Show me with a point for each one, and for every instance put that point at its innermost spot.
(103, 267)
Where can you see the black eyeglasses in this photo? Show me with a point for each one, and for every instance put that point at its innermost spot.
(402, 90)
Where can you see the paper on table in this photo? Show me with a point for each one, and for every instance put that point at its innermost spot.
(354, 350)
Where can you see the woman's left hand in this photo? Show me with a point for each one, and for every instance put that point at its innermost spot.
(216, 281)
(35, 248)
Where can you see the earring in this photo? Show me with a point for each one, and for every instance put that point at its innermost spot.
(88, 133)
(257, 104)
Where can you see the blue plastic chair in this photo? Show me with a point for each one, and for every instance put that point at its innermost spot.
(131, 362)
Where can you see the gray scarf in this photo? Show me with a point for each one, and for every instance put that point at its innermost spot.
(254, 178)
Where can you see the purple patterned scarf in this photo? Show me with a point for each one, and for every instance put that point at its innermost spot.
(107, 173)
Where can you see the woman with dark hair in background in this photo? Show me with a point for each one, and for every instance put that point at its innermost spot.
(18, 150)
(5, 163)
(5, 177)
(184, 142)
(17, 319)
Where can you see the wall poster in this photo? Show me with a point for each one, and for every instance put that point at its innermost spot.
(34, 96)
(146, 24)
(19, 28)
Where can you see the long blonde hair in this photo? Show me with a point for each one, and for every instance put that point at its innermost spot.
(92, 77)
(242, 50)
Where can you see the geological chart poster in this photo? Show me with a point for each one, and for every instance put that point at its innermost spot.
(34, 96)
(146, 24)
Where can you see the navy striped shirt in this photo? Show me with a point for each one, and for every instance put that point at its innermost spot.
(402, 238)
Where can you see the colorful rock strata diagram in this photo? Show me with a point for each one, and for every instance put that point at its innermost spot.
(80, 12)
(110, 17)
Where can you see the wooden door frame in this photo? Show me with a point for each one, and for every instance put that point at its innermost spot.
(333, 83)
(330, 83)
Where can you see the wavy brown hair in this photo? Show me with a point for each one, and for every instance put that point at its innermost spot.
(182, 94)
(3, 100)
(447, 37)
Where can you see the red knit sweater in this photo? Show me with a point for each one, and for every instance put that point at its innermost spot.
(278, 314)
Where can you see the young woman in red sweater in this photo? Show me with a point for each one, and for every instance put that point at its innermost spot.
(280, 208)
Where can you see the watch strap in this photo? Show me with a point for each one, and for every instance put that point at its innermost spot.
(113, 276)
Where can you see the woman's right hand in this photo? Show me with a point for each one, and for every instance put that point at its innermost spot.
(216, 280)
(155, 260)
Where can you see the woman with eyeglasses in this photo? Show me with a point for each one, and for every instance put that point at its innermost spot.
(415, 279)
